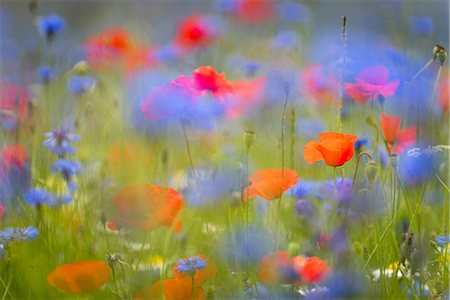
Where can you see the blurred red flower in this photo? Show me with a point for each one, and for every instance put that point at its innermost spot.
(270, 184)
(370, 83)
(193, 32)
(319, 85)
(255, 11)
(206, 78)
(314, 270)
(146, 207)
(396, 138)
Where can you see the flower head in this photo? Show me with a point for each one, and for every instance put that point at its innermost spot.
(50, 26)
(80, 276)
(37, 196)
(171, 99)
(18, 234)
(146, 207)
(58, 141)
(191, 264)
(370, 83)
(194, 31)
(45, 73)
(270, 183)
(334, 148)
(78, 85)
(67, 168)
(397, 139)
(206, 78)
(315, 270)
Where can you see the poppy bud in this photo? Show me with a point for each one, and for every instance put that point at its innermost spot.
(371, 121)
(439, 53)
(249, 138)
(81, 67)
(293, 249)
(371, 171)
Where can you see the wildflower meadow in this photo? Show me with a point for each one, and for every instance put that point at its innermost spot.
(224, 149)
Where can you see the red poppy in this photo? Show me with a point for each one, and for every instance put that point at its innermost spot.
(314, 270)
(444, 92)
(319, 85)
(207, 79)
(255, 11)
(115, 47)
(194, 31)
(270, 184)
(80, 276)
(246, 96)
(370, 83)
(12, 157)
(146, 207)
(397, 139)
(333, 147)
(13, 101)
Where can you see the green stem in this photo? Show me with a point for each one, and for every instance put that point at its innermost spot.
(357, 165)
(193, 288)
(188, 149)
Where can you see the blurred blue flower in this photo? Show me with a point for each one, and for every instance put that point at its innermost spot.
(168, 54)
(285, 39)
(215, 185)
(191, 264)
(250, 67)
(58, 141)
(293, 12)
(36, 197)
(307, 189)
(18, 234)
(344, 284)
(304, 208)
(226, 6)
(309, 128)
(361, 142)
(422, 25)
(246, 245)
(415, 167)
(344, 190)
(49, 26)
(78, 85)
(67, 168)
(45, 73)
(442, 240)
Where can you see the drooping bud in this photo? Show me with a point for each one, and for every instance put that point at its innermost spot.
(293, 249)
(371, 171)
(249, 138)
(81, 67)
(440, 53)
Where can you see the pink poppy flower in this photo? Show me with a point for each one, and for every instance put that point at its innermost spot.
(370, 83)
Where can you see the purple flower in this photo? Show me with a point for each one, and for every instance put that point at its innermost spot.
(191, 264)
(58, 141)
(36, 197)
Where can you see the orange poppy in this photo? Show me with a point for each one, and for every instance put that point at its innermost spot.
(270, 184)
(397, 139)
(333, 147)
(200, 276)
(172, 289)
(147, 206)
(80, 276)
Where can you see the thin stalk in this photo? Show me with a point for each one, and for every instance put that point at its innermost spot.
(283, 118)
(341, 79)
(357, 165)
(190, 156)
(193, 288)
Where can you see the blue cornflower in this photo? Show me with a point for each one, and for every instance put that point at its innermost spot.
(422, 25)
(285, 39)
(36, 196)
(191, 264)
(78, 85)
(49, 26)
(250, 67)
(293, 12)
(442, 240)
(58, 141)
(18, 234)
(67, 168)
(360, 143)
(45, 73)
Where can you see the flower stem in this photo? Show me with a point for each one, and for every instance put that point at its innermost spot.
(190, 156)
(193, 288)
(341, 80)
